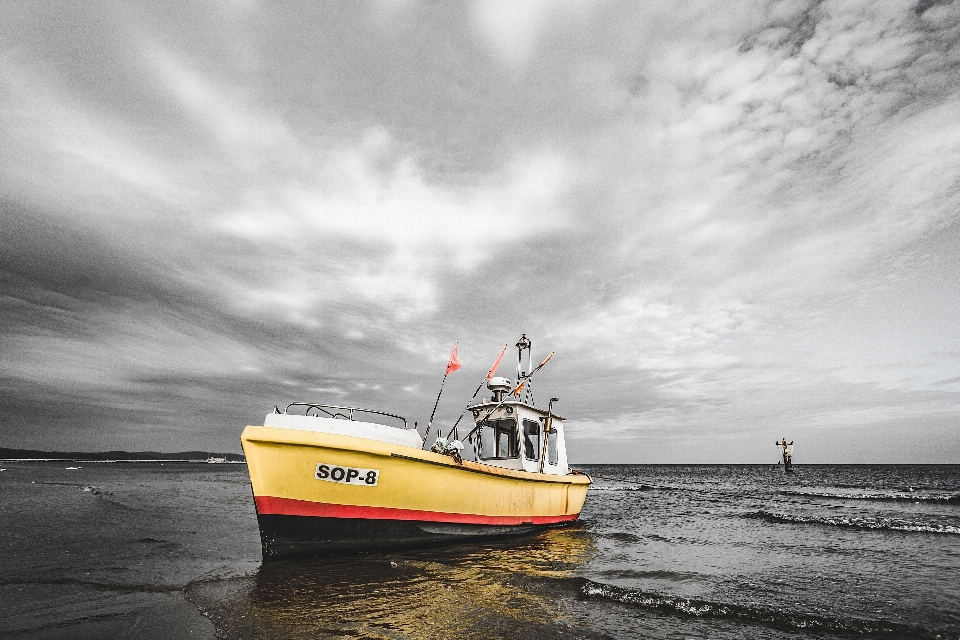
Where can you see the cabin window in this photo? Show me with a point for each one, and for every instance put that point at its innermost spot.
(552, 455)
(531, 440)
(498, 440)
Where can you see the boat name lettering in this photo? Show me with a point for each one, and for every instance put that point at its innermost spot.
(347, 475)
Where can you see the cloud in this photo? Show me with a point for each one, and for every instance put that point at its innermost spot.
(512, 28)
(355, 194)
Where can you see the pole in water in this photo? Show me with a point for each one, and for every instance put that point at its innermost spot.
(787, 454)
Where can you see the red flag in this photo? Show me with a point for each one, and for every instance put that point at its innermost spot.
(454, 363)
(493, 369)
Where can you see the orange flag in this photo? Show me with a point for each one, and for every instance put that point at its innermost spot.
(545, 361)
(519, 388)
(493, 369)
(453, 363)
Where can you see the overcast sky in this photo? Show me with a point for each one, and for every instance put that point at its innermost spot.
(732, 221)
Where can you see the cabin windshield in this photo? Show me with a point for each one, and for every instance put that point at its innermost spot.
(498, 440)
(531, 440)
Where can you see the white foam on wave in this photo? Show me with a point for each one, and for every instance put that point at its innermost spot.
(896, 497)
(767, 616)
(878, 524)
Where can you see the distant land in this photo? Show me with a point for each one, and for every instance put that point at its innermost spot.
(77, 456)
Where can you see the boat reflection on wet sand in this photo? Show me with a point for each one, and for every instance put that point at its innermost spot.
(498, 589)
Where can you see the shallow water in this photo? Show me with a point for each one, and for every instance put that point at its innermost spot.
(149, 550)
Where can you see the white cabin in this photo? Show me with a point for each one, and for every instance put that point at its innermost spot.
(515, 435)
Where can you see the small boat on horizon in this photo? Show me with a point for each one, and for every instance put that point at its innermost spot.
(329, 479)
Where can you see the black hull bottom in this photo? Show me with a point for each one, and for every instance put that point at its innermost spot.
(284, 536)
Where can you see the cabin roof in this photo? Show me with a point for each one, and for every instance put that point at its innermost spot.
(489, 404)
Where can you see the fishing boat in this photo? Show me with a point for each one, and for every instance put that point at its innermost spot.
(331, 479)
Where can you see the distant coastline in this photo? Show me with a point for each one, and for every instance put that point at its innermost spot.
(119, 456)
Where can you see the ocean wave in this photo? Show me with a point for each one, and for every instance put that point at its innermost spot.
(766, 616)
(639, 487)
(623, 536)
(888, 497)
(93, 584)
(856, 522)
(636, 574)
(95, 490)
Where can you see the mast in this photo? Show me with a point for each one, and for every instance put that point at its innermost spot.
(524, 344)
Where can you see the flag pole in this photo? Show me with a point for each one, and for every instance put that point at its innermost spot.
(432, 413)
(464, 412)
(452, 365)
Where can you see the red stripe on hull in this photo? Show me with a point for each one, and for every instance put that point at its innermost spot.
(269, 505)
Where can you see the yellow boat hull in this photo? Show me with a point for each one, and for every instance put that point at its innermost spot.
(320, 493)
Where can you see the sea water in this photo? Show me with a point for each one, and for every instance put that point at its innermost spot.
(152, 550)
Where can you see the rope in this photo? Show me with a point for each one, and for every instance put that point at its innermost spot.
(453, 431)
